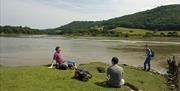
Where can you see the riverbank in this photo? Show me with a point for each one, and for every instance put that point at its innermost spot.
(41, 78)
(27, 50)
(130, 38)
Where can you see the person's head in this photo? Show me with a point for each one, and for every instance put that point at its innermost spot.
(174, 58)
(115, 60)
(146, 46)
(58, 49)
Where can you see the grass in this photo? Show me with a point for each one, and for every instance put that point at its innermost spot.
(41, 78)
(141, 32)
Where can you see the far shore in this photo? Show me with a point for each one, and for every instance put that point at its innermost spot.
(130, 38)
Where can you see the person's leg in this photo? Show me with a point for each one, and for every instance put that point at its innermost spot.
(145, 62)
(72, 63)
(149, 65)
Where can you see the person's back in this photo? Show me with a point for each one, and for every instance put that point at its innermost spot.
(115, 74)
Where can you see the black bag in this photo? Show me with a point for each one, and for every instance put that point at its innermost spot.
(82, 75)
(101, 69)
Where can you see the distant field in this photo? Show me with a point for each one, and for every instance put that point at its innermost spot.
(142, 32)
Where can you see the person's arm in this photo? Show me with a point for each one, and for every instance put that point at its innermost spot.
(54, 58)
(51, 66)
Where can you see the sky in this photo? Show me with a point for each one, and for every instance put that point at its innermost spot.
(43, 14)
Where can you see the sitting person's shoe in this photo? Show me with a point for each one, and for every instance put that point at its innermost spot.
(50, 67)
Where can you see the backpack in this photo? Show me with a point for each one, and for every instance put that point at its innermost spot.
(82, 75)
(152, 52)
(101, 69)
(152, 55)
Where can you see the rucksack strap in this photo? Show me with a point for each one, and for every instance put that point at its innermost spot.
(150, 51)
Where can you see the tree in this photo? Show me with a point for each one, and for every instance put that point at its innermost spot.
(126, 35)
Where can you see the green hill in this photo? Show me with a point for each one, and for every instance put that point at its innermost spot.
(160, 18)
(160, 21)
(164, 18)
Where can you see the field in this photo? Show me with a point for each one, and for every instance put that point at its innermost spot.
(41, 78)
(141, 32)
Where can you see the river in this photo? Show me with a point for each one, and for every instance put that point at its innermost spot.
(39, 49)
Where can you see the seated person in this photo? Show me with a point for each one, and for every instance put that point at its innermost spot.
(115, 74)
(57, 57)
(60, 63)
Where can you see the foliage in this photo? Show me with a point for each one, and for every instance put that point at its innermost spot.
(19, 30)
(148, 34)
(162, 18)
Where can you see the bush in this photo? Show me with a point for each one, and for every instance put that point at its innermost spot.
(126, 35)
(162, 34)
(148, 34)
(172, 34)
(130, 31)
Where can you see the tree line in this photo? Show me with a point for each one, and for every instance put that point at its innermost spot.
(19, 30)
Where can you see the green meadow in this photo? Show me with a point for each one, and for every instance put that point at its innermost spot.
(41, 78)
(142, 32)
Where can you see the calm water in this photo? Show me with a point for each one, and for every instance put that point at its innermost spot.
(38, 50)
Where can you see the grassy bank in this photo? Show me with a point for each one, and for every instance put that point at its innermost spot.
(142, 32)
(40, 78)
(133, 38)
(122, 32)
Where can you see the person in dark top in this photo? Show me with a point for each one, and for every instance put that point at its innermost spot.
(149, 56)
